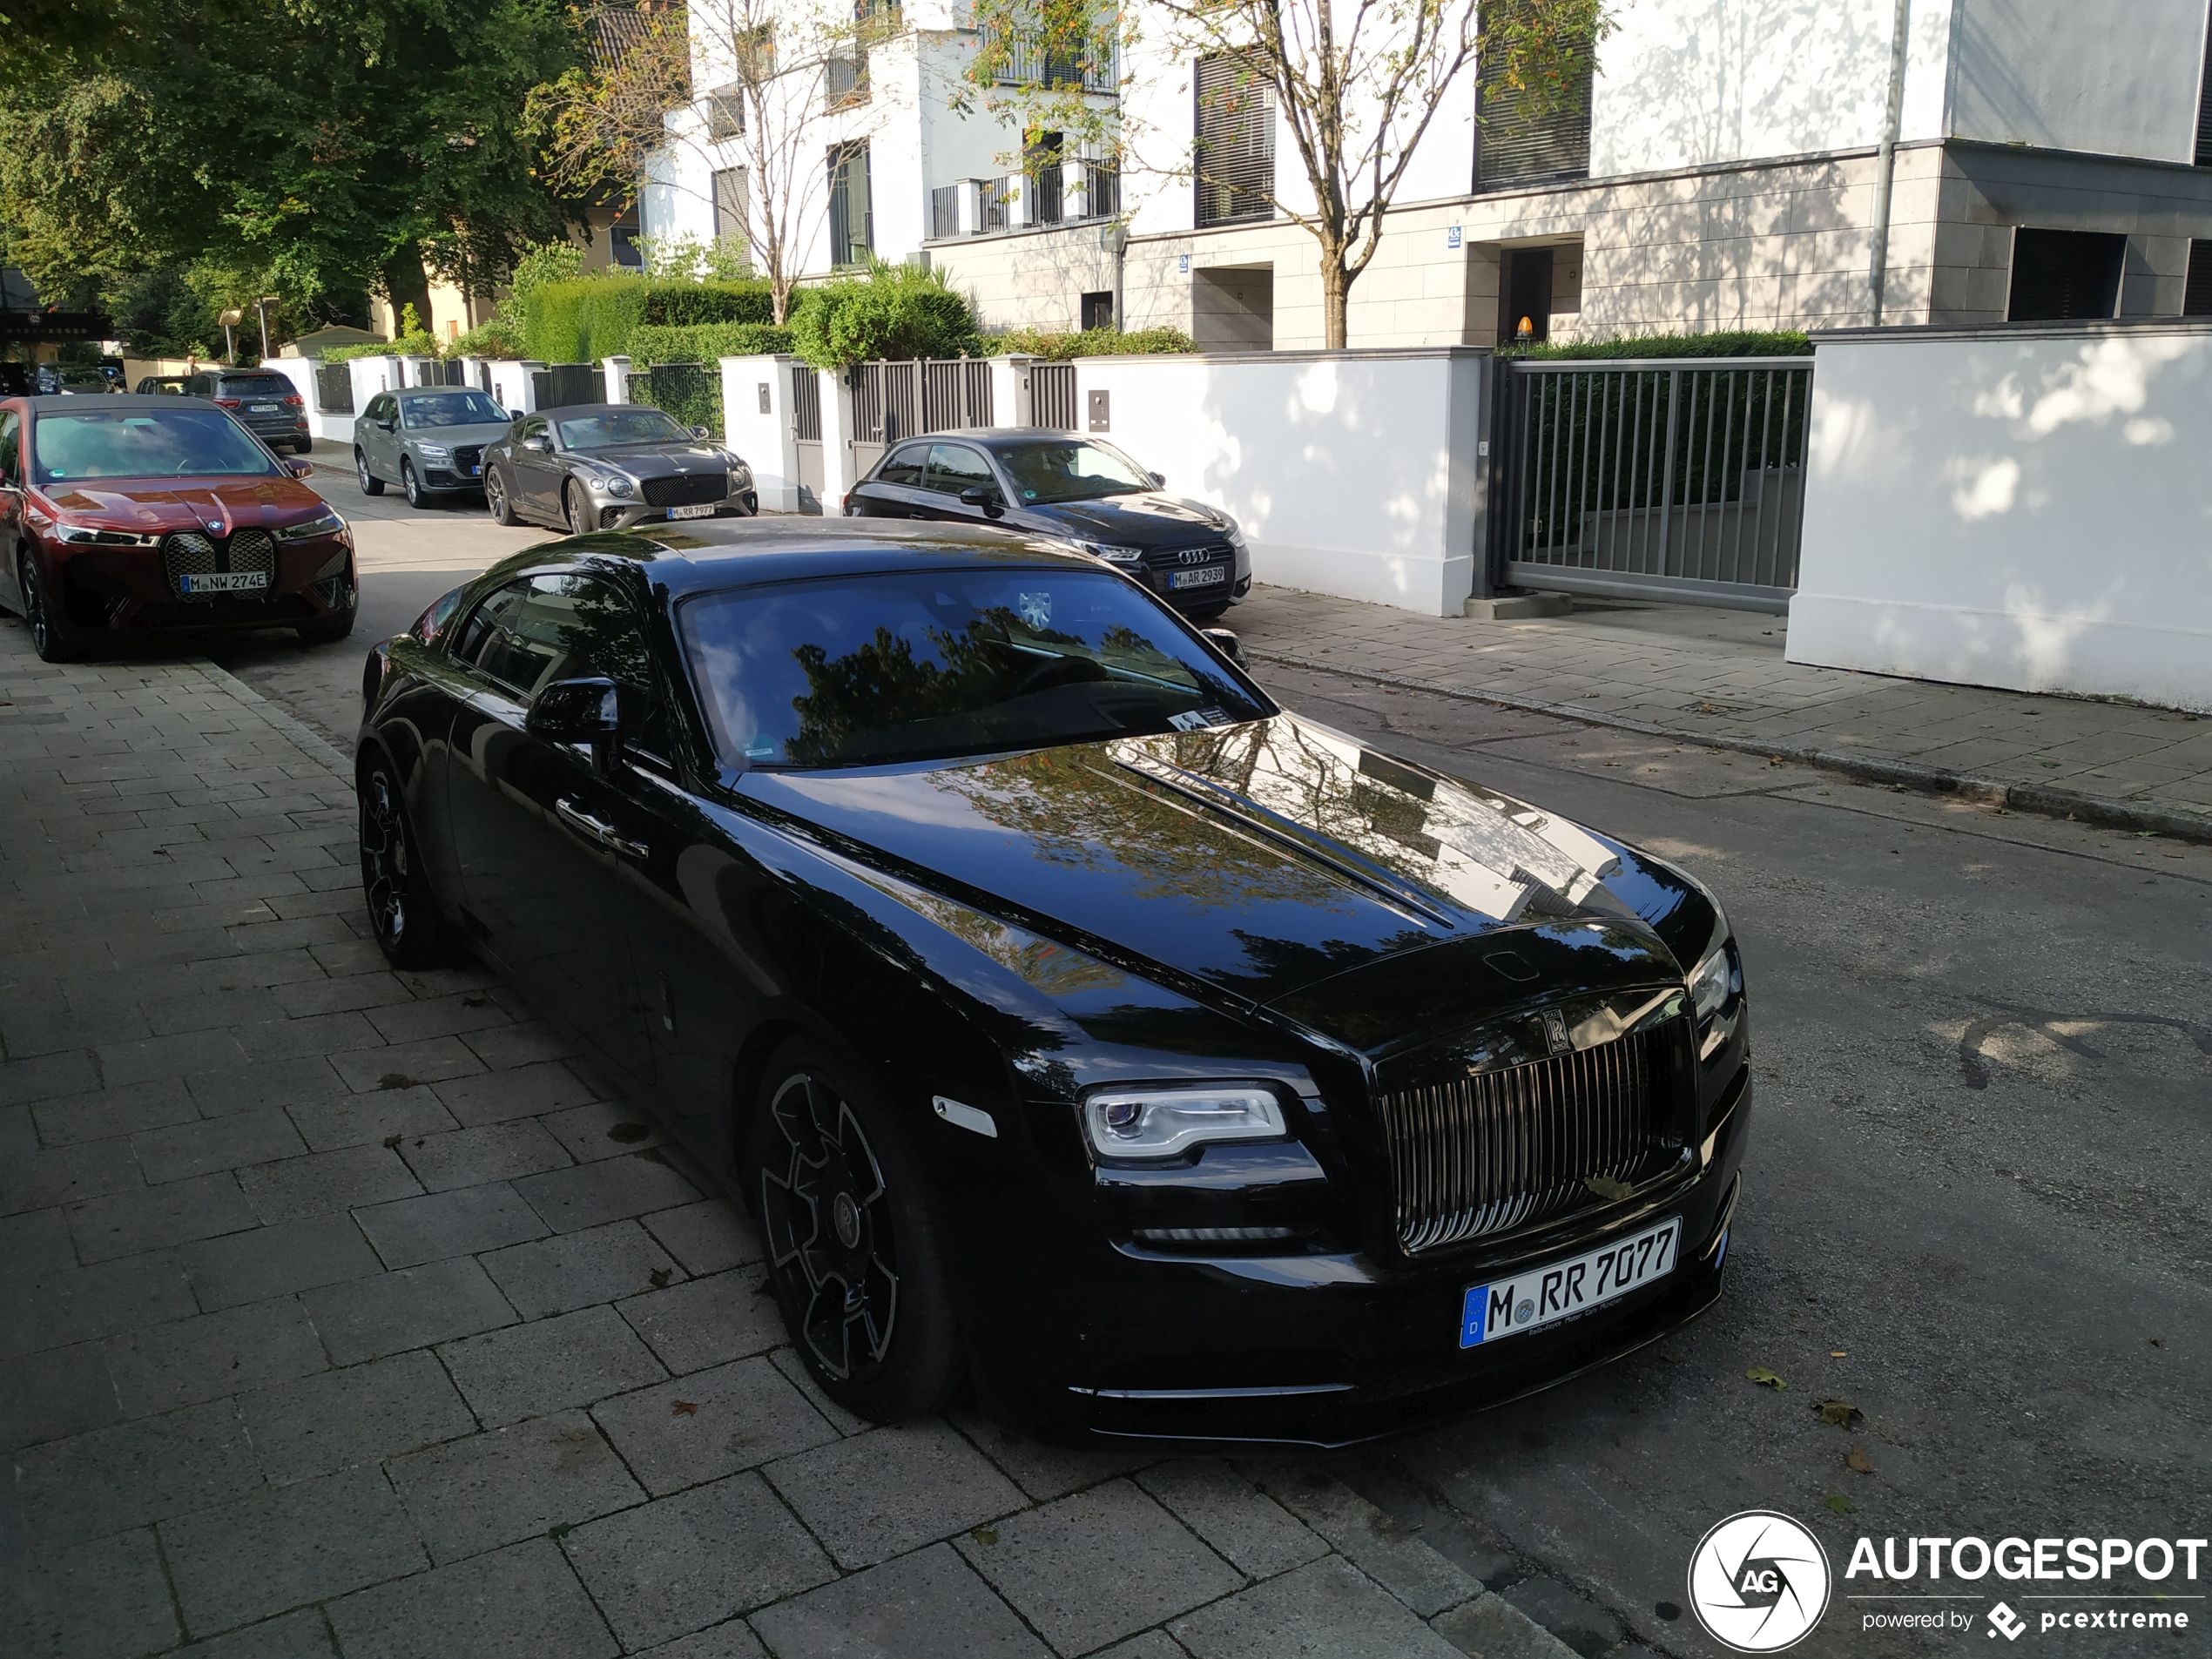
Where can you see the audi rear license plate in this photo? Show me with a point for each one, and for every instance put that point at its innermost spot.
(1555, 1290)
(704, 510)
(1206, 576)
(227, 582)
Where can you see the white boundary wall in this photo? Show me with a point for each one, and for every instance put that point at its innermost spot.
(762, 436)
(1353, 474)
(2023, 508)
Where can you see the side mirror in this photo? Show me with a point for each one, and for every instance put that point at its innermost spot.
(578, 711)
(390, 422)
(300, 467)
(1225, 640)
(698, 432)
(976, 495)
(1159, 481)
(538, 444)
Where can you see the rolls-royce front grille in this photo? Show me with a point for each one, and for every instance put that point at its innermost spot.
(1495, 1150)
(686, 488)
(191, 553)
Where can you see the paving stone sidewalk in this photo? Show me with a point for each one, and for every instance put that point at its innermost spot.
(345, 1312)
(1715, 676)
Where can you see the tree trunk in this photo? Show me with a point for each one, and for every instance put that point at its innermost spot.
(1336, 295)
(406, 283)
(779, 284)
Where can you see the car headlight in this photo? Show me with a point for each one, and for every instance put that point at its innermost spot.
(93, 535)
(1113, 555)
(739, 473)
(436, 452)
(1236, 535)
(323, 523)
(619, 487)
(1712, 982)
(1163, 1123)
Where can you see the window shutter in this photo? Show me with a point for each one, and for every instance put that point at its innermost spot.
(1511, 149)
(1235, 124)
(730, 203)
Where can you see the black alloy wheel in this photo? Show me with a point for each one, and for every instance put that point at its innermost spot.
(496, 499)
(410, 483)
(50, 637)
(371, 484)
(574, 508)
(854, 1253)
(409, 930)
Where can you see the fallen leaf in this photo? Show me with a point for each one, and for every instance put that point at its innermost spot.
(1766, 1378)
(392, 1141)
(395, 1079)
(560, 1529)
(1608, 1189)
(1841, 1412)
(683, 1408)
(985, 1534)
(1837, 1353)
(1857, 1462)
(660, 1275)
(1839, 1503)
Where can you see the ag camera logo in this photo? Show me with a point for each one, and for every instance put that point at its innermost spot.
(1758, 1582)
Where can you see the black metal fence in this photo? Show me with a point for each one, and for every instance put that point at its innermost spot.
(895, 401)
(690, 392)
(1666, 478)
(1052, 396)
(561, 384)
(334, 389)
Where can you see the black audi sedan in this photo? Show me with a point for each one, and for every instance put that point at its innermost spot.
(609, 466)
(1082, 492)
(1074, 1020)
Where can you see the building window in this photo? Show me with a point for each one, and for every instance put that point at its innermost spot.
(1235, 124)
(852, 224)
(1517, 145)
(2196, 294)
(725, 114)
(622, 242)
(1044, 194)
(845, 81)
(730, 204)
(2061, 276)
(1097, 311)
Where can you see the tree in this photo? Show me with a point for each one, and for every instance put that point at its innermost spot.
(787, 80)
(1356, 84)
(312, 148)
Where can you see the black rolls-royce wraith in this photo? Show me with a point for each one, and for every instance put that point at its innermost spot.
(1072, 1018)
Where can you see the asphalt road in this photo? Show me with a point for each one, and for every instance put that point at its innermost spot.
(1977, 1208)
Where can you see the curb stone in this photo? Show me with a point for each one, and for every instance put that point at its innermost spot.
(2047, 800)
(286, 727)
(1490, 1627)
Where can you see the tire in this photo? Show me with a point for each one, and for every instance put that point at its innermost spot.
(495, 498)
(51, 636)
(856, 1258)
(410, 929)
(370, 484)
(572, 510)
(411, 485)
(327, 631)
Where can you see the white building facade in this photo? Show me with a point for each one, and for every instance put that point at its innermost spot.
(1743, 164)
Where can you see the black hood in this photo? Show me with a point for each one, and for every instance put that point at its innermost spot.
(1259, 860)
(1148, 521)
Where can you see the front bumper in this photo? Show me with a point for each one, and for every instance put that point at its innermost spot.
(1161, 572)
(1330, 1350)
(128, 591)
(745, 504)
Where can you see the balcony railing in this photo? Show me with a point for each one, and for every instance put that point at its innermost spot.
(1074, 192)
(1029, 65)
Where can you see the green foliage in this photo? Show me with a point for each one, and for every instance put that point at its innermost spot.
(159, 313)
(895, 311)
(706, 342)
(590, 318)
(1729, 343)
(686, 258)
(1090, 342)
(366, 348)
(690, 391)
(495, 338)
(540, 263)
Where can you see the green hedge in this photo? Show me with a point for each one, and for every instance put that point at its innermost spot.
(895, 312)
(592, 318)
(706, 342)
(690, 392)
(1090, 342)
(1734, 343)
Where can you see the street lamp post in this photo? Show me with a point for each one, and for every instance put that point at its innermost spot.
(262, 307)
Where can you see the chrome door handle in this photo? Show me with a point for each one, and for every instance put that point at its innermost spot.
(575, 817)
(628, 849)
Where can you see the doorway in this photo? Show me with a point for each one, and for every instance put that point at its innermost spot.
(1525, 295)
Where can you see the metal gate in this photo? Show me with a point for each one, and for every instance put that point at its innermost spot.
(690, 392)
(895, 401)
(1661, 478)
(1052, 396)
(563, 384)
(334, 389)
(806, 434)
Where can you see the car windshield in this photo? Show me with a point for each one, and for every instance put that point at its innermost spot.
(181, 442)
(451, 409)
(606, 427)
(935, 665)
(1070, 469)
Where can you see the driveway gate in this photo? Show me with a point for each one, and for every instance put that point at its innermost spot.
(895, 401)
(334, 389)
(1052, 396)
(806, 434)
(563, 384)
(1659, 478)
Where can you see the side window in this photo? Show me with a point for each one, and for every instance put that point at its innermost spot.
(905, 467)
(582, 627)
(485, 621)
(386, 407)
(535, 426)
(955, 467)
(11, 442)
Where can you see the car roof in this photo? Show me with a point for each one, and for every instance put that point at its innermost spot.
(115, 402)
(589, 408)
(991, 437)
(703, 554)
(430, 391)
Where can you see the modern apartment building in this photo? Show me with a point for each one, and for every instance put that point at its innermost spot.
(1736, 164)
